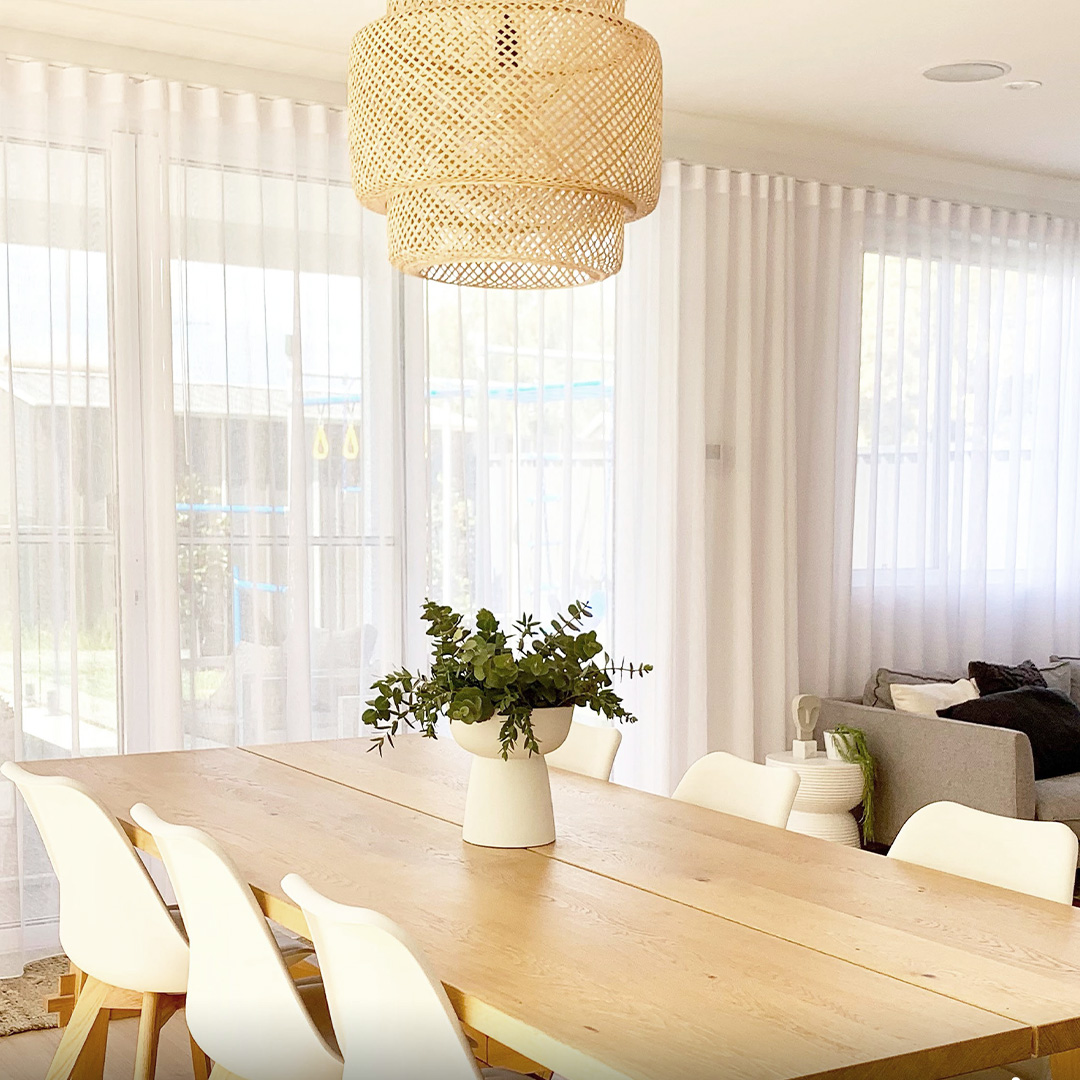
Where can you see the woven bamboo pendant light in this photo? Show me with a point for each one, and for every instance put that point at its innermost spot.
(507, 142)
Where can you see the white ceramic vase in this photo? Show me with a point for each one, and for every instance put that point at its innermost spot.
(833, 747)
(508, 804)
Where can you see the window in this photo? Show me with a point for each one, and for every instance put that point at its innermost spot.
(967, 360)
(520, 427)
(287, 502)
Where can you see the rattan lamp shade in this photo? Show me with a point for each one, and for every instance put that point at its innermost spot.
(507, 143)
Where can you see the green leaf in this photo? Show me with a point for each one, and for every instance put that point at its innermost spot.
(500, 671)
(467, 706)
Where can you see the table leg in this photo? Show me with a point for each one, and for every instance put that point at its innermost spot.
(1065, 1066)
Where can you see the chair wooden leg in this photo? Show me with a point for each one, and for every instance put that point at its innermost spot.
(91, 1063)
(83, 1025)
(302, 969)
(67, 993)
(200, 1063)
(149, 1027)
(502, 1057)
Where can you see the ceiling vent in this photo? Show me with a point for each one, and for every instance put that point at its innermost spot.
(973, 71)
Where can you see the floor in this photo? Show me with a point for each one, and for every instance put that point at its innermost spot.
(27, 1056)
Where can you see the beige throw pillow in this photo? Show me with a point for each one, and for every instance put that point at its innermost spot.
(927, 698)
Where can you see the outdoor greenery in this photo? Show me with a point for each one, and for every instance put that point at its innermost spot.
(851, 743)
(481, 673)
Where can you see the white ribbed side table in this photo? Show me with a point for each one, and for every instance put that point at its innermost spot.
(828, 791)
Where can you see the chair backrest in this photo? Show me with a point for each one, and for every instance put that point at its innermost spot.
(392, 1017)
(113, 923)
(243, 1008)
(588, 750)
(743, 788)
(1033, 857)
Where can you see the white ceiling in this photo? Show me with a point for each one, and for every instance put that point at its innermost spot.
(849, 67)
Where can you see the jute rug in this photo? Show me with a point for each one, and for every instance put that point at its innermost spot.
(22, 1000)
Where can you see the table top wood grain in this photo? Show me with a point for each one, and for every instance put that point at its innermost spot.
(576, 955)
(1010, 954)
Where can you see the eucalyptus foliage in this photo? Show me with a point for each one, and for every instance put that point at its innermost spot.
(484, 672)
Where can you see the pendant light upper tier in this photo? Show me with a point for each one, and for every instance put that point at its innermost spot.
(507, 143)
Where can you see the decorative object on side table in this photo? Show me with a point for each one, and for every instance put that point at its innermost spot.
(830, 784)
(509, 699)
(805, 711)
(848, 744)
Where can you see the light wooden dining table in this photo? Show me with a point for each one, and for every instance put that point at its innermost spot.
(653, 940)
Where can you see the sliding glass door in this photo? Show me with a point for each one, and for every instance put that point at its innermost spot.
(285, 389)
(59, 669)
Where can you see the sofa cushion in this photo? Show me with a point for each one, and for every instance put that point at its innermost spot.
(927, 698)
(878, 694)
(997, 678)
(1057, 798)
(1058, 676)
(1074, 673)
(1062, 673)
(1049, 719)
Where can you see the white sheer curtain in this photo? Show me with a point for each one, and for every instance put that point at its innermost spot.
(59, 688)
(847, 435)
(519, 421)
(288, 422)
(736, 296)
(964, 508)
(200, 433)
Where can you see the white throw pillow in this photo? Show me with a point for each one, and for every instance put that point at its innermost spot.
(927, 698)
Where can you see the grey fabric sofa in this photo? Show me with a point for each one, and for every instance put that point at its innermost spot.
(924, 759)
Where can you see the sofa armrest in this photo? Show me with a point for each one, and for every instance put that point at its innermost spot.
(925, 759)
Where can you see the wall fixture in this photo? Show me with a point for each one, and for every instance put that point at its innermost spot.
(507, 142)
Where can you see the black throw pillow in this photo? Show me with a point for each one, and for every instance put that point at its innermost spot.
(1049, 718)
(997, 678)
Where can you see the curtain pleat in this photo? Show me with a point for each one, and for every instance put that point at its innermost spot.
(733, 425)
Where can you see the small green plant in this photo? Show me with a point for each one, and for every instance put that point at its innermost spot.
(851, 743)
(480, 673)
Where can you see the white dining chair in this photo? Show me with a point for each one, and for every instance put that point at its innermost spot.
(589, 750)
(1033, 857)
(114, 925)
(392, 1017)
(743, 788)
(243, 1007)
